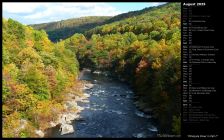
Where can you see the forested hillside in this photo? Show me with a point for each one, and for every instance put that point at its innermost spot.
(36, 74)
(142, 48)
(129, 14)
(145, 51)
(66, 28)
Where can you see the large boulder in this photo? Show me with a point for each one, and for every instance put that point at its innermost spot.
(70, 117)
(39, 133)
(88, 86)
(66, 129)
(86, 95)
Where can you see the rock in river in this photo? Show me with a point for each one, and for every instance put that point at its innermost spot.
(39, 133)
(142, 114)
(88, 86)
(152, 128)
(139, 135)
(97, 72)
(66, 129)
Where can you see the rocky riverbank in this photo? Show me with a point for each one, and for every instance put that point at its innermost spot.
(71, 113)
(111, 111)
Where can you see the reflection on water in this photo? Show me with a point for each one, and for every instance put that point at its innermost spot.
(110, 111)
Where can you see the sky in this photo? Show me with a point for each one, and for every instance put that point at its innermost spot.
(34, 13)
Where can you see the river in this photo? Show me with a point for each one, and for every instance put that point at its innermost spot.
(110, 113)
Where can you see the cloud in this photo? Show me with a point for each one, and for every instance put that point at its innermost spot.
(47, 12)
(156, 3)
(36, 12)
(18, 8)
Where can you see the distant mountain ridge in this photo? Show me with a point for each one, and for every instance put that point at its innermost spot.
(66, 28)
(131, 14)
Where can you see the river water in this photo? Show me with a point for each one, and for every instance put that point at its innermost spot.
(110, 113)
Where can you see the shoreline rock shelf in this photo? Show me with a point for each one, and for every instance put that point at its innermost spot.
(72, 112)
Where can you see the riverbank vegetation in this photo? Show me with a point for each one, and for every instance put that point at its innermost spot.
(144, 49)
(36, 76)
